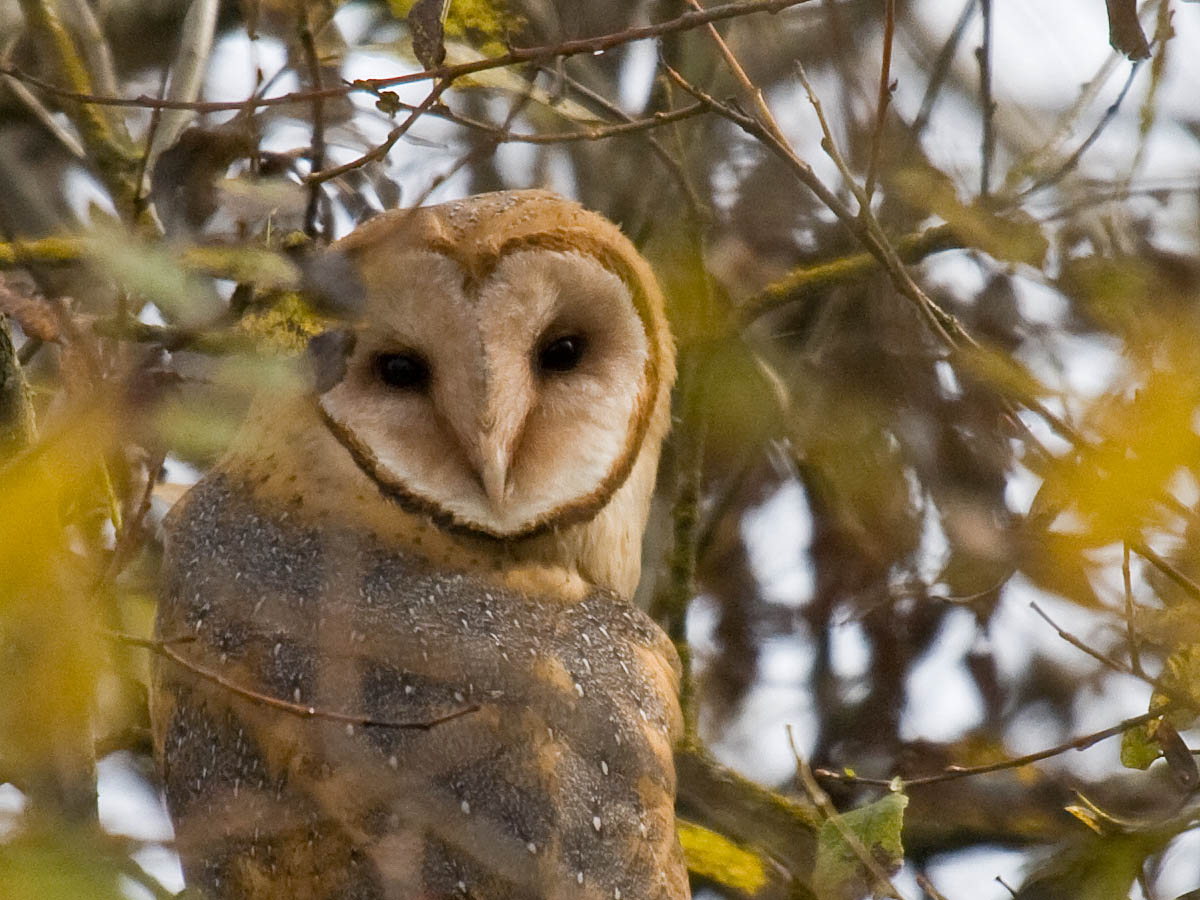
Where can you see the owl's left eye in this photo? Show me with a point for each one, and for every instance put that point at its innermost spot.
(406, 371)
(561, 354)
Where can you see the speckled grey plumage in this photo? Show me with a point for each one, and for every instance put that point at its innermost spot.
(558, 785)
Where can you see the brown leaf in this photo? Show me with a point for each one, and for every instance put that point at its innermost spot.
(183, 183)
(426, 23)
(36, 315)
(1125, 31)
(1179, 758)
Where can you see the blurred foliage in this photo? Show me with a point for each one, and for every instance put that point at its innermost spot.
(872, 830)
(711, 856)
(152, 287)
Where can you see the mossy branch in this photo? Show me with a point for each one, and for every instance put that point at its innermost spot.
(46, 251)
(783, 829)
(104, 136)
(808, 281)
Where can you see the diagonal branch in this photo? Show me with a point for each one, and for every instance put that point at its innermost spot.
(167, 651)
(953, 772)
(377, 153)
(885, 96)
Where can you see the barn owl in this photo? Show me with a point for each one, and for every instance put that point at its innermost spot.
(399, 658)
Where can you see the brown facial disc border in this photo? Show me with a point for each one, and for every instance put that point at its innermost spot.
(558, 240)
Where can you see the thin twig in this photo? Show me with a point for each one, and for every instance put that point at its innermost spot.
(1038, 159)
(1115, 664)
(953, 772)
(316, 152)
(132, 530)
(941, 69)
(1191, 588)
(1073, 160)
(479, 151)
(802, 170)
(987, 105)
(165, 649)
(926, 885)
(1135, 644)
(594, 45)
(865, 228)
(739, 73)
(941, 323)
(698, 208)
(140, 186)
(821, 800)
(885, 97)
(63, 134)
(587, 133)
(379, 152)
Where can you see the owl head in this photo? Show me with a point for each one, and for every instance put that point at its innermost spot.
(509, 369)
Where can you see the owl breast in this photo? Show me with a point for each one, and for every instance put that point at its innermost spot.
(348, 721)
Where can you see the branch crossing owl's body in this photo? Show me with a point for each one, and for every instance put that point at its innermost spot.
(426, 557)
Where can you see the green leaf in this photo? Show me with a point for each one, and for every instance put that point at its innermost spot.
(1138, 749)
(839, 873)
(1095, 867)
(57, 867)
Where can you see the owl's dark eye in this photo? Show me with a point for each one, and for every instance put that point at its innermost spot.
(404, 371)
(561, 354)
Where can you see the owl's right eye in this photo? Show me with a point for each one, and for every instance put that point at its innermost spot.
(403, 371)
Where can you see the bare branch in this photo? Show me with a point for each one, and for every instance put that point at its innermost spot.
(1134, 640)
(378, 153)
(594, 45)
(941, 68)
(885, 96)
(820, 799)
(1189, 587)
(1107, 661)
(316, 153)
(1072, 161)
(953, 772)
(166, 649)
(987, 105)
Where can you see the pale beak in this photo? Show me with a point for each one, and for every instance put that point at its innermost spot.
(494, 464)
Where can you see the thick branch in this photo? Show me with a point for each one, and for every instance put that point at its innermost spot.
(104, 138)
(783, 827)
(808, 281)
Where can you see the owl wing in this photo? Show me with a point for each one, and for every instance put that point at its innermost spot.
(335, 719)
